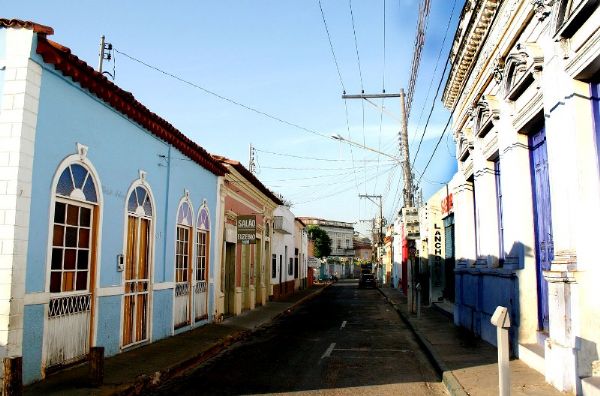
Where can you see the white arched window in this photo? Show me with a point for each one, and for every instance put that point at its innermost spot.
(73, 230)
(202, 244)
(74, 225)
(183, 267)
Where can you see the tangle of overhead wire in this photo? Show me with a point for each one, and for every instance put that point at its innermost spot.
(336, 192)
(438, 87)
(309, 158)
(422, 23)
(437, 62)
(435, 148)
(310, 168)
(332, 186)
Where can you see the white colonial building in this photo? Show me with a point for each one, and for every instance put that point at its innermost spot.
(523, 90)
(342, 245)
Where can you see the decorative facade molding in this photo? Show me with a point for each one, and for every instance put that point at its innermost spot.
(542, 8)
(466, 46)
(82, 150)
(523, 66)
(525, 114)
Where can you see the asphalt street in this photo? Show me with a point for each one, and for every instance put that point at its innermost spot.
(346, 341)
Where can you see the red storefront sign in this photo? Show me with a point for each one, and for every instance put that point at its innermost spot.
(447, 204)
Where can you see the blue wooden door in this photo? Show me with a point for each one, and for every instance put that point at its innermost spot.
(542, 221)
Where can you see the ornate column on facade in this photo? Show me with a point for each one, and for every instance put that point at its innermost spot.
(564, 99)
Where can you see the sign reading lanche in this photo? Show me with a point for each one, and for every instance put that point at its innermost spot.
(246, 229)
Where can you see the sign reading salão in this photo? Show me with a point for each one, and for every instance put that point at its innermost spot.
(246, 229)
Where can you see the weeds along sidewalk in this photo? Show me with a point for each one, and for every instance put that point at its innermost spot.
(137, 370)
(467, 365)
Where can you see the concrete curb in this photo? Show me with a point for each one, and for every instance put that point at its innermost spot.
(144, 383)
(448, 378)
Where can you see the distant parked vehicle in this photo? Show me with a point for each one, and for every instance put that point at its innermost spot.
(367, 280)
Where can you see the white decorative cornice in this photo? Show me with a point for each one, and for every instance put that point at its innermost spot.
(466, 46)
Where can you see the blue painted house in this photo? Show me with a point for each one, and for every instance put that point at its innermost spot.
(106, 212)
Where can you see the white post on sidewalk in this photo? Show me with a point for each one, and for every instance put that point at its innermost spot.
(501, 320)
(418, 289)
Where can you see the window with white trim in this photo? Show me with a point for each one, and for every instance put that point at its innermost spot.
(73, 230)
(183, 249)
(202, 232)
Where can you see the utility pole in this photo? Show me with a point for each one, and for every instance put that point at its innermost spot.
(371, 198)
(104, 53)
(408, 189)
(251, 163)
(405, 157)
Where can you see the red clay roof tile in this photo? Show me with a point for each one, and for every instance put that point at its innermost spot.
(19, 24)
(249, 176)
(71, 66)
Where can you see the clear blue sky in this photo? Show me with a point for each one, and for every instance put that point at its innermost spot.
(275, 56)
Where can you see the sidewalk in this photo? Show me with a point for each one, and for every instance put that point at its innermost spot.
(468, 366)
(135, 371)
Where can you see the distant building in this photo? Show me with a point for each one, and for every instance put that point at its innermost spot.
(300, 254)
(363, 249)
(283, 253)
(342, 245)
(524, 90)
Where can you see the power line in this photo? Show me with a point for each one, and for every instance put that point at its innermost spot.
(309, 177)
(337, 66)
(435, 148)
(430, 113)
(437, 62)
(439, 84)
(343, 88)
(311, 169)
(337, 192)
(362, 88)
(422, 24)
(232, 101)
(356, 46)
(351, 150)
(331, 185)
(382, 99)
(308, 158)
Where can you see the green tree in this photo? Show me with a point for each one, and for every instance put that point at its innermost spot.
(321, 240)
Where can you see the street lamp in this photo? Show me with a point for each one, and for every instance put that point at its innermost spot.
(352, 143)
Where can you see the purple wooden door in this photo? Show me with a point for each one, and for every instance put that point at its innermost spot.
(542, 220)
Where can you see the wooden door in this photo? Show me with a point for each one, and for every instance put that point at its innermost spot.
(229, 278)
(137, 279)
